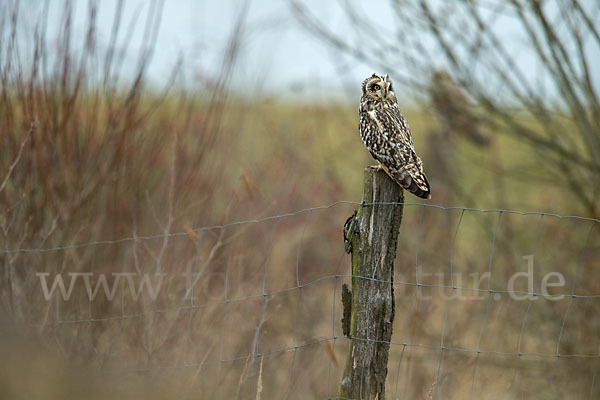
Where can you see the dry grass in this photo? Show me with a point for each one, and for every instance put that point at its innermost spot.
(85, 161)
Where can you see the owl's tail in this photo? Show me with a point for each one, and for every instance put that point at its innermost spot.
(417, 185)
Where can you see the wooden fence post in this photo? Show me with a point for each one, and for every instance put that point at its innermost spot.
(371, 236)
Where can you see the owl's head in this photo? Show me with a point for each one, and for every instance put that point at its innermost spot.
(378, 88)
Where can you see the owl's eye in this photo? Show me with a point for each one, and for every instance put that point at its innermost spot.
(375, 87)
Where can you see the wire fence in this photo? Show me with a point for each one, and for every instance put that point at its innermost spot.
(259, 309)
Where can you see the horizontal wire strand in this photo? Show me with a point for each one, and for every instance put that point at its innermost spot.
(285, 215)
(418, 286)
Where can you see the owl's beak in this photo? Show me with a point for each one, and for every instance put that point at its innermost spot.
(386, 90)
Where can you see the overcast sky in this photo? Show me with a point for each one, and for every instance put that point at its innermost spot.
(277, 55)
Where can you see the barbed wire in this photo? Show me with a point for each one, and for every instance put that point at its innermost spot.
(418, 285)
(284, 215)
(320, 279)
(334, 338)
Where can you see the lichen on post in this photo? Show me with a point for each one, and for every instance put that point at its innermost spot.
(371, 237)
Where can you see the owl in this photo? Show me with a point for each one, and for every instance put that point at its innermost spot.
(386, 134)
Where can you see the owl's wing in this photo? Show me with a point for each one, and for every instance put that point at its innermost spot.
(394, 121)
(397, 152)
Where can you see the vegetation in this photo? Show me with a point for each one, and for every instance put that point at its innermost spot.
(90, 154)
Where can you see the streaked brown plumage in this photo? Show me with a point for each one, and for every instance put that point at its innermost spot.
(387, 136)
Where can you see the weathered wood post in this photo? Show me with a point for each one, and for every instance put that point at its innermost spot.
(371, 236)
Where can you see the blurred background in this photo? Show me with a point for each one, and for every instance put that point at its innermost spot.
(135, 135)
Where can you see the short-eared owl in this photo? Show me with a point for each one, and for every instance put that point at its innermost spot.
(386, 134)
